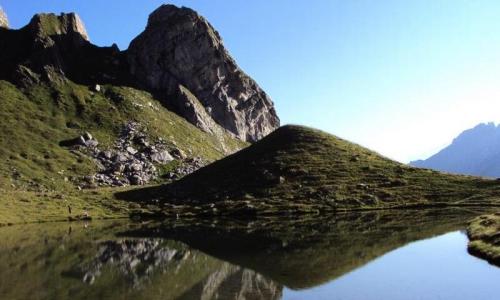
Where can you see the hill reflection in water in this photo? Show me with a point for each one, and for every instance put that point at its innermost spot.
(207, 259)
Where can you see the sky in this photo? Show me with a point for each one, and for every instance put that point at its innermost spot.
(400, 77)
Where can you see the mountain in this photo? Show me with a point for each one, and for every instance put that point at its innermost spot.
(77, 118)
(297, 169)
(180, 50)
(475, 151)
(179, 58)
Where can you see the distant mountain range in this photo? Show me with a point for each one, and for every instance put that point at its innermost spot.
(475, 151)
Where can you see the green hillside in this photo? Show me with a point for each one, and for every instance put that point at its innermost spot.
(298, 169)
(39, 178)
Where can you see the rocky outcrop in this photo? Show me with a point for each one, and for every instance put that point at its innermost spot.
(46, 25)
(179, 47)
(57, 46)
(133, 160)
(4, 21)
(179, 57)
(187, 105)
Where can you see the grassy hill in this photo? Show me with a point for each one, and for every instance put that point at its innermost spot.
(39, 178)
(298, 169)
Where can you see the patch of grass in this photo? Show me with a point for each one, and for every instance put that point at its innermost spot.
(484, 235)
(34, 168)
(49, 261)
(301, 170)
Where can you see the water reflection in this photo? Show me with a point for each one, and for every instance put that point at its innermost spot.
(303, 253)
(203, 259)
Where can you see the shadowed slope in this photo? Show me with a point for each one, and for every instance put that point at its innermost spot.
(298, 169)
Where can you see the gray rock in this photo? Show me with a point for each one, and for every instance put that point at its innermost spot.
(131, 150)
(136, 180)
(187, 105)
(118, 168)
(87, 136)
(178, 153)
(124, 164)
(91, 143)
(161, 157)
(135, 167)
(181, 47)
(81, 140)
(106, 154)
(120, 157)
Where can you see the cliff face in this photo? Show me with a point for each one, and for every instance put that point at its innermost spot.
(180, 49)
(179, 57)
(53, 47)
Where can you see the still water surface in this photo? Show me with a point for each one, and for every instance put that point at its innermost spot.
(375, 255)
(436, 268)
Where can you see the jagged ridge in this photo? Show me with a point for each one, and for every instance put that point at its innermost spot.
(178, 54)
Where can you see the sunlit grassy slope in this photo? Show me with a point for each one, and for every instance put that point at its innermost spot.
(37, 175)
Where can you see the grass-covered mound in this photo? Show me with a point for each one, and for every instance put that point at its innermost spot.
(298, 169)
(39, 178)
(484, 235)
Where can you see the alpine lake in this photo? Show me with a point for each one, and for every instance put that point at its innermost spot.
(392, 254)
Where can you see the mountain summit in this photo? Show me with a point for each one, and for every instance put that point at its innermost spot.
(475, 151)
(180, 58)
(179, 50)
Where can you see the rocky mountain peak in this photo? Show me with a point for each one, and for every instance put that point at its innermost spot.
(179, 57)
(63, 24)
(180, 48)
(4, 21)
(168, 11)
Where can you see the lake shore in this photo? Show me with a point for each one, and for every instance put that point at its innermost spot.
(484, 235)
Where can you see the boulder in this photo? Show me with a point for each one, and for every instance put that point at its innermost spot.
(161, 157)
(179, 47)
(178, 153)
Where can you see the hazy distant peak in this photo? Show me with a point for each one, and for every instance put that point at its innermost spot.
(475, 151)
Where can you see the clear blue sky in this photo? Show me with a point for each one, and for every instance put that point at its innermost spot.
(400, 77)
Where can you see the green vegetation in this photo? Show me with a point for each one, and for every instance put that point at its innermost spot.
(50, 261)
(302, 170)
(484, 235)
(38, 177)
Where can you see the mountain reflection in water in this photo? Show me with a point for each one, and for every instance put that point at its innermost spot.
(203, 259)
